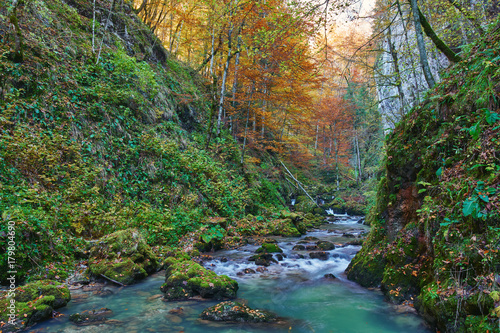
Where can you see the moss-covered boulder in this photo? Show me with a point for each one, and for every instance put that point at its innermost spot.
(367, 268)
(269, 248)
(319, 255)
(237, 312)
(34, 302)
(448, 306)
(123, 256)
(263, 259)
(185, 279)
(299, 247)
(89, 317)
(325, 246)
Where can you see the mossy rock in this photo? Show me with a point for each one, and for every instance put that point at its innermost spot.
(185, 279)
(269, 248)
(236, 312)
(123, 256)
(124, 271)
(319, 255)
(290, 232)
(439, 305)
(367, 268)
(34, 302)
(263, 259)
(211, 246)
(325, 246)
(319, 211)
(89, 317)
(51, 273)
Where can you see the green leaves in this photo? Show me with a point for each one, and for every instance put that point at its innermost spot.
(214, 232)
(491, 117)
(470, 207)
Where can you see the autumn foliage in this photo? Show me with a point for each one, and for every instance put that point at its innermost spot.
(273, 91)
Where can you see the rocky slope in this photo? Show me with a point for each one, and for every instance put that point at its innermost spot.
(101, 131)
(435, 240)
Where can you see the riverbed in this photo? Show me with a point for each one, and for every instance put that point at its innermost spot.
(312, 295)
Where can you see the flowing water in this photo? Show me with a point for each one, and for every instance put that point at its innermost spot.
(295, 289)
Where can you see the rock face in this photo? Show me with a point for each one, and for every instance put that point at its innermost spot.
(434, 226)
(236, 312)
(123, 256)
(412, 82)
(35, 302)
(90, 317)
(185, 279)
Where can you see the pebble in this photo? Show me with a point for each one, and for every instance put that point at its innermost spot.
(152, 298)
(173, 318)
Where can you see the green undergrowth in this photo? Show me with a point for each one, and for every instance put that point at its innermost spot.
(438, 202)
(105, 137)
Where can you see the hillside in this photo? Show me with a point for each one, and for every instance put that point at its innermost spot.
(102, 130)
(434, 242)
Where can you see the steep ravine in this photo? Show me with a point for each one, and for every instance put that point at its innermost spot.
(435, 241)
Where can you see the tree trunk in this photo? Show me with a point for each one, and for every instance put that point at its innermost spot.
(424, 62)
(18, 55)
(224, 78)
(396, 70)
(441, 46)
(235, 82)
(246, 126)
(212, 110)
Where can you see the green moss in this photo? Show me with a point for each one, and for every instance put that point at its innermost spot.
(325, 246)
(269, 248)
(35, 302)
(124, 271)
(123, 256)
(185, 279)
(367, 267)
(481, 324)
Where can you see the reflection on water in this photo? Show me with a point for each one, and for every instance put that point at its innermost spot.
(294, 288)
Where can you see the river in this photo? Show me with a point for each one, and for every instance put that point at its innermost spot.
(295, 288)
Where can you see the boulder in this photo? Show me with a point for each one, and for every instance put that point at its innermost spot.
(269, 248)
(263, 259)
(299, 247)
(248, 271)
(123, 256)
(34, 302)
(185, 279)
(89, 317)
(325, 246)
(236, 312)
(319, 255)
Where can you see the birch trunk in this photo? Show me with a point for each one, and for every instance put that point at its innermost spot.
(424, 62)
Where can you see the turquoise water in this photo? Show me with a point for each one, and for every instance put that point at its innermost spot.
(294, 289)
